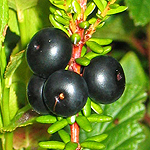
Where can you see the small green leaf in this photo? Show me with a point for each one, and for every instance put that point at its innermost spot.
(84, 24)
(100, 25)
(113, 6)
(83, 52)
(71, 119)
(46, 119)
(57, 126)
(92, 145)
(52, 145)
(64, 136)
(90, 8)
(92, 20)
(58, 3)
(71, 146)
(83, 61)
(107, 49)
(117, 10)
(95, 47)
(101, 41)
(75, 38)
(13, 64)
(87, 108)
(59, 118)
(57, 25)
(61, 20)
(99, 4)
(91, 55)
(52, 9)
(99, 118)
(97, 138)
(84, 123)
(96, 107)
(76, 7)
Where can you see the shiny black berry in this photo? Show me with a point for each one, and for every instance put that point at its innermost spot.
(65, 93)
(35, 96)
(49, 50)
(105, 79)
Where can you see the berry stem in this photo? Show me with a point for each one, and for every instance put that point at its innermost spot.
(74, 132)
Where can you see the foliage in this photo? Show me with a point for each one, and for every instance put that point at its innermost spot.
(122, 130)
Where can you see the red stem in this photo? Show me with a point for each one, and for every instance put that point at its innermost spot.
(73, 66)
(75, 132)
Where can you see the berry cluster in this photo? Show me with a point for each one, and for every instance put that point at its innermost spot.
(63, 92)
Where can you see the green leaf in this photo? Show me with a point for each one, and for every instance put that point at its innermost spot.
(57, 25)
(139, 11)
(71, 119)
(21, 4)
(64, 136)
(13, 105)
(3, 17)
(134, 72)
(75, 38)
(13, 22)
(13, 64)
(92, 145)
(71, 146)
(101, 41)
(87, 108)
(84, 123)
(145, 144)
(124, 127)
(117, 10)
(58, 3)
(76, 7)
(97, 138)
(46, 119)
(99, 118)
(28, 137)
(91, 55)
(57, 126)
(61, 20)
(99, 4)
(118, 30)
(52, 145)
(23, 118)
(83, 61)
(90, 8)
(96, 107)
(83, 52)
(95, 47)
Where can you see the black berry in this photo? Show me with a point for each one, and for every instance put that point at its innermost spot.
(49, 50)
(65, 93)
(105, 79)
(35, 96)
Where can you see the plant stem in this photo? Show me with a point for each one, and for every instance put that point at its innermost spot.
(22, 29)
(7, 136)
(73, 66)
